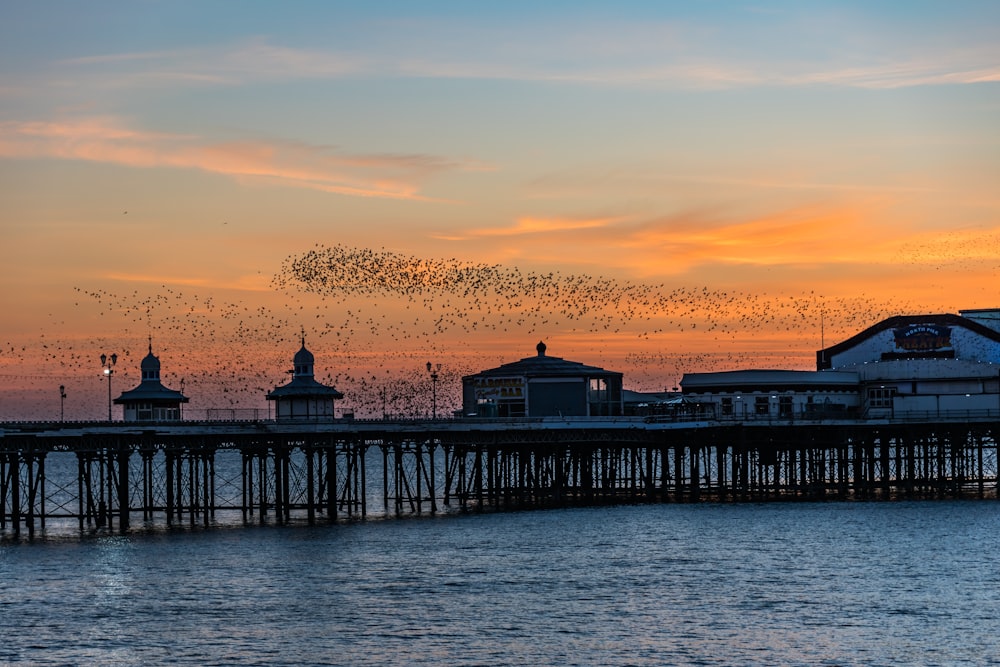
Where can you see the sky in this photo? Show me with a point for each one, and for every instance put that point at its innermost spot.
(655, 188)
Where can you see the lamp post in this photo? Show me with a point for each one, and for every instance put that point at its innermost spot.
(109, 369)
(62, 402)
(434, 370)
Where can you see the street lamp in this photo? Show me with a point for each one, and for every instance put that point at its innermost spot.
(109, 369)
(62, 402)
(434, 370)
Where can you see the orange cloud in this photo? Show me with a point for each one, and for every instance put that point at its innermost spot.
(246, 283)
(805, 235)
(538, 225)
(277, 162)
(824, 239)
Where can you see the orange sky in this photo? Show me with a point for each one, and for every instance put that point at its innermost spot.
(749, 182)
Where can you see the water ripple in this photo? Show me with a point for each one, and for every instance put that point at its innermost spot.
(802, 584)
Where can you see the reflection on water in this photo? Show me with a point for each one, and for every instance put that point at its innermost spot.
(852, 583)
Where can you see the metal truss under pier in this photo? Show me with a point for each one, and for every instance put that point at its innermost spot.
(724, 464)
(118, 476)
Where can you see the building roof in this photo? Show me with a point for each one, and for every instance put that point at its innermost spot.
(150, 362)
(303, 384)
(303, 357)
(769, 380)
(542, 365)
(151, 391)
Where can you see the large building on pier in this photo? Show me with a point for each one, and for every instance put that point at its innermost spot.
(542, 386)
(783, 394)
(151, 401)
(303, 397)
(904, 366)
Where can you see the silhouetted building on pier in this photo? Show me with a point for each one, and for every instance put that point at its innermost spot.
(904, 366)
(303, 397)
(542, 386)
(781, 394)
(151, 401)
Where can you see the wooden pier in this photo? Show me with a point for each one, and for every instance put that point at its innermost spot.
(118, 476)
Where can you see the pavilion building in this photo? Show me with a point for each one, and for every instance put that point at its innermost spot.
(151, 401)
(542, 386)
(303, 398)
(908, 366)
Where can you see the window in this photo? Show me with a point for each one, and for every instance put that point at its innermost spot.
(167, 414)
(598, 390)
(785, 406)
(727, 406)
(761, 406)
(500, 408)
(881, 397)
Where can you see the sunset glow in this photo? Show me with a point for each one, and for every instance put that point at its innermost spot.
(647, 187)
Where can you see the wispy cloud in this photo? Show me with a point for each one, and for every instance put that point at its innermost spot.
(286, 163)
(246, 283)
(542, 225)
(660, 55)
(245, 62)
(898, 74)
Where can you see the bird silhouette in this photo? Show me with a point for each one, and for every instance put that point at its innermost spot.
(373, 317)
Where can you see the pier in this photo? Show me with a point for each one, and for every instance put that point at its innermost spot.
(118, 476)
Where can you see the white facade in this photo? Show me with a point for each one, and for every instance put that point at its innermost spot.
(917, 341)
(924, 366)
(912, 367)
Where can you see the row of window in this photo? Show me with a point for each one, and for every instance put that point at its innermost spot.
(761, 406)
(878, 397)
(149, 412)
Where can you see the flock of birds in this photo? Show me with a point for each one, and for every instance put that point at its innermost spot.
(373, 318)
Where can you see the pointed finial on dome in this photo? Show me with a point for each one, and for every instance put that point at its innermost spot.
(541, 348)
(151, 343)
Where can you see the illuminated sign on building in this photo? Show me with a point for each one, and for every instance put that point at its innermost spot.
(499, 388)
(922, 337)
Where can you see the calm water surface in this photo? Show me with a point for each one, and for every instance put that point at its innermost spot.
(777, 584)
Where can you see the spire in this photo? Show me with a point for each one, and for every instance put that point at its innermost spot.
(541, 348)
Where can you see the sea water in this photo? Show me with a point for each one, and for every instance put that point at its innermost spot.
(888, 583)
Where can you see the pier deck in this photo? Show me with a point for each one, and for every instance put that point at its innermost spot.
(110, 475)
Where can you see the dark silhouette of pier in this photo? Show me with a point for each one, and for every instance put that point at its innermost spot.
(115, 475)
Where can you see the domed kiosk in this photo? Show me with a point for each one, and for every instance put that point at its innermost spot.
(151, 401)
(304, 397)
